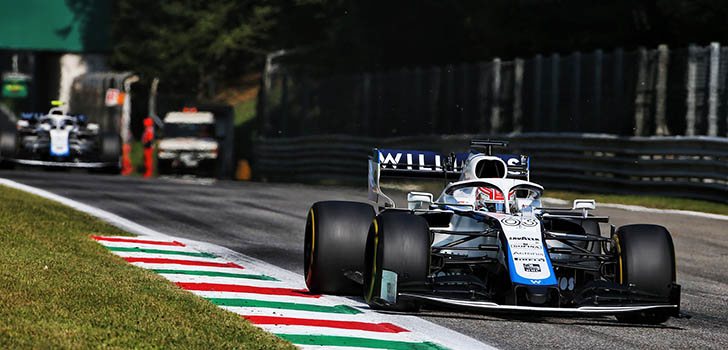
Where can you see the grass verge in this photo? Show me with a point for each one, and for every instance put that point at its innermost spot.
(244, 111)
(59, 289)
(645, 201)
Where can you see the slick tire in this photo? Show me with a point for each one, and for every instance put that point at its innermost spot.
(164, 166)
(110, 152)
(647, 262)
(397, 242)
(334, 243)
(8, 147)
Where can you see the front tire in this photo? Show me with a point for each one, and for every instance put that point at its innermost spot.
(646, 263)
(397, 242)
(335, 237)
(8, 147)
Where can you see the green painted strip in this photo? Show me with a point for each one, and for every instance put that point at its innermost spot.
(338, 309)
(331, 340)
(217, 274)
(160, 251)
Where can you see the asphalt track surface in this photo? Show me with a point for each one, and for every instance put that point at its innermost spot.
(266, 221)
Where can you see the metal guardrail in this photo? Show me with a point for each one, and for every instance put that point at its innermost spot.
(689, 167)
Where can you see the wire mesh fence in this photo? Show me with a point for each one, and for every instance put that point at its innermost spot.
(643, 92)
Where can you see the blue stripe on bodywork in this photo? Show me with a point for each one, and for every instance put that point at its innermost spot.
(61, 154)
(518, 279)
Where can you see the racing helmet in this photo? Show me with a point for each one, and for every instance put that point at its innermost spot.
(491, 199)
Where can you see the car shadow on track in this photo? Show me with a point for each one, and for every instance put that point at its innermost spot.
(604, 321)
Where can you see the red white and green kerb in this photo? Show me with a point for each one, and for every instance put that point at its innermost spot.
(279, 306)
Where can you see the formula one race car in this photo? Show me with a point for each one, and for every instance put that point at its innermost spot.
(486, 243)
(57, 139)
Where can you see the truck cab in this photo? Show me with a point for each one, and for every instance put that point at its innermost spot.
(188, 144)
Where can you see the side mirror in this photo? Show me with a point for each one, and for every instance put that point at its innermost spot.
(584, 205)
(419, 200)
(588, 204)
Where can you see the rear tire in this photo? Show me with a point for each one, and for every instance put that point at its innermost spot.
(8, 147)
(110, 152)
(334, 242)
(398, 242)
(647, 262)
(164, 166)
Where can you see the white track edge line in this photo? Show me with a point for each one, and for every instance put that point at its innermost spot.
(639, 208)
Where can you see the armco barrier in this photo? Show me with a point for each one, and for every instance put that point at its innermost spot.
(690, 167)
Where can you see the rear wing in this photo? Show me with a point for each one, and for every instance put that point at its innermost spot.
(419, 164)
(431, 165)
(428, 164)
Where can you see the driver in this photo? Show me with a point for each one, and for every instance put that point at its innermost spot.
(491, 199)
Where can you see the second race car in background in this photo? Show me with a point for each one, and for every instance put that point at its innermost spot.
(58, 139)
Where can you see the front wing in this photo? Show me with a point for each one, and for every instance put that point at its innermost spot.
(83, 165)
(493, 307)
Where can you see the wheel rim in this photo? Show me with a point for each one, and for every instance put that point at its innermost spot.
(373, 278)
(310, 245)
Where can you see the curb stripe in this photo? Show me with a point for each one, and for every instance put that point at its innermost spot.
(227, 280)
(338, 309)
(215, 274)
(324, 301)
(132, 240)
(160, 251)
(175, 248)
(362, 326)
(270, 312)
(327, 340)
(166, 256)
(182, 262)
(219, 287)
(183, 267)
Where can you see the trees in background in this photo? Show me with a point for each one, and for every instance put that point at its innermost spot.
(194, 44)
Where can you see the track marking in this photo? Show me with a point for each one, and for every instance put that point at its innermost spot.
(641, 209)
(182, 262)
(145, 246)
(336, 309)
(291, 321)
(215, 274)
(359, 342)
(159, 251)
(133, 240)
(323, 301)
(218, 287)
(253, 282)
(149, 266)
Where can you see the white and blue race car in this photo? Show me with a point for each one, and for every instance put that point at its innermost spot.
(57, 139)
(486, 243)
